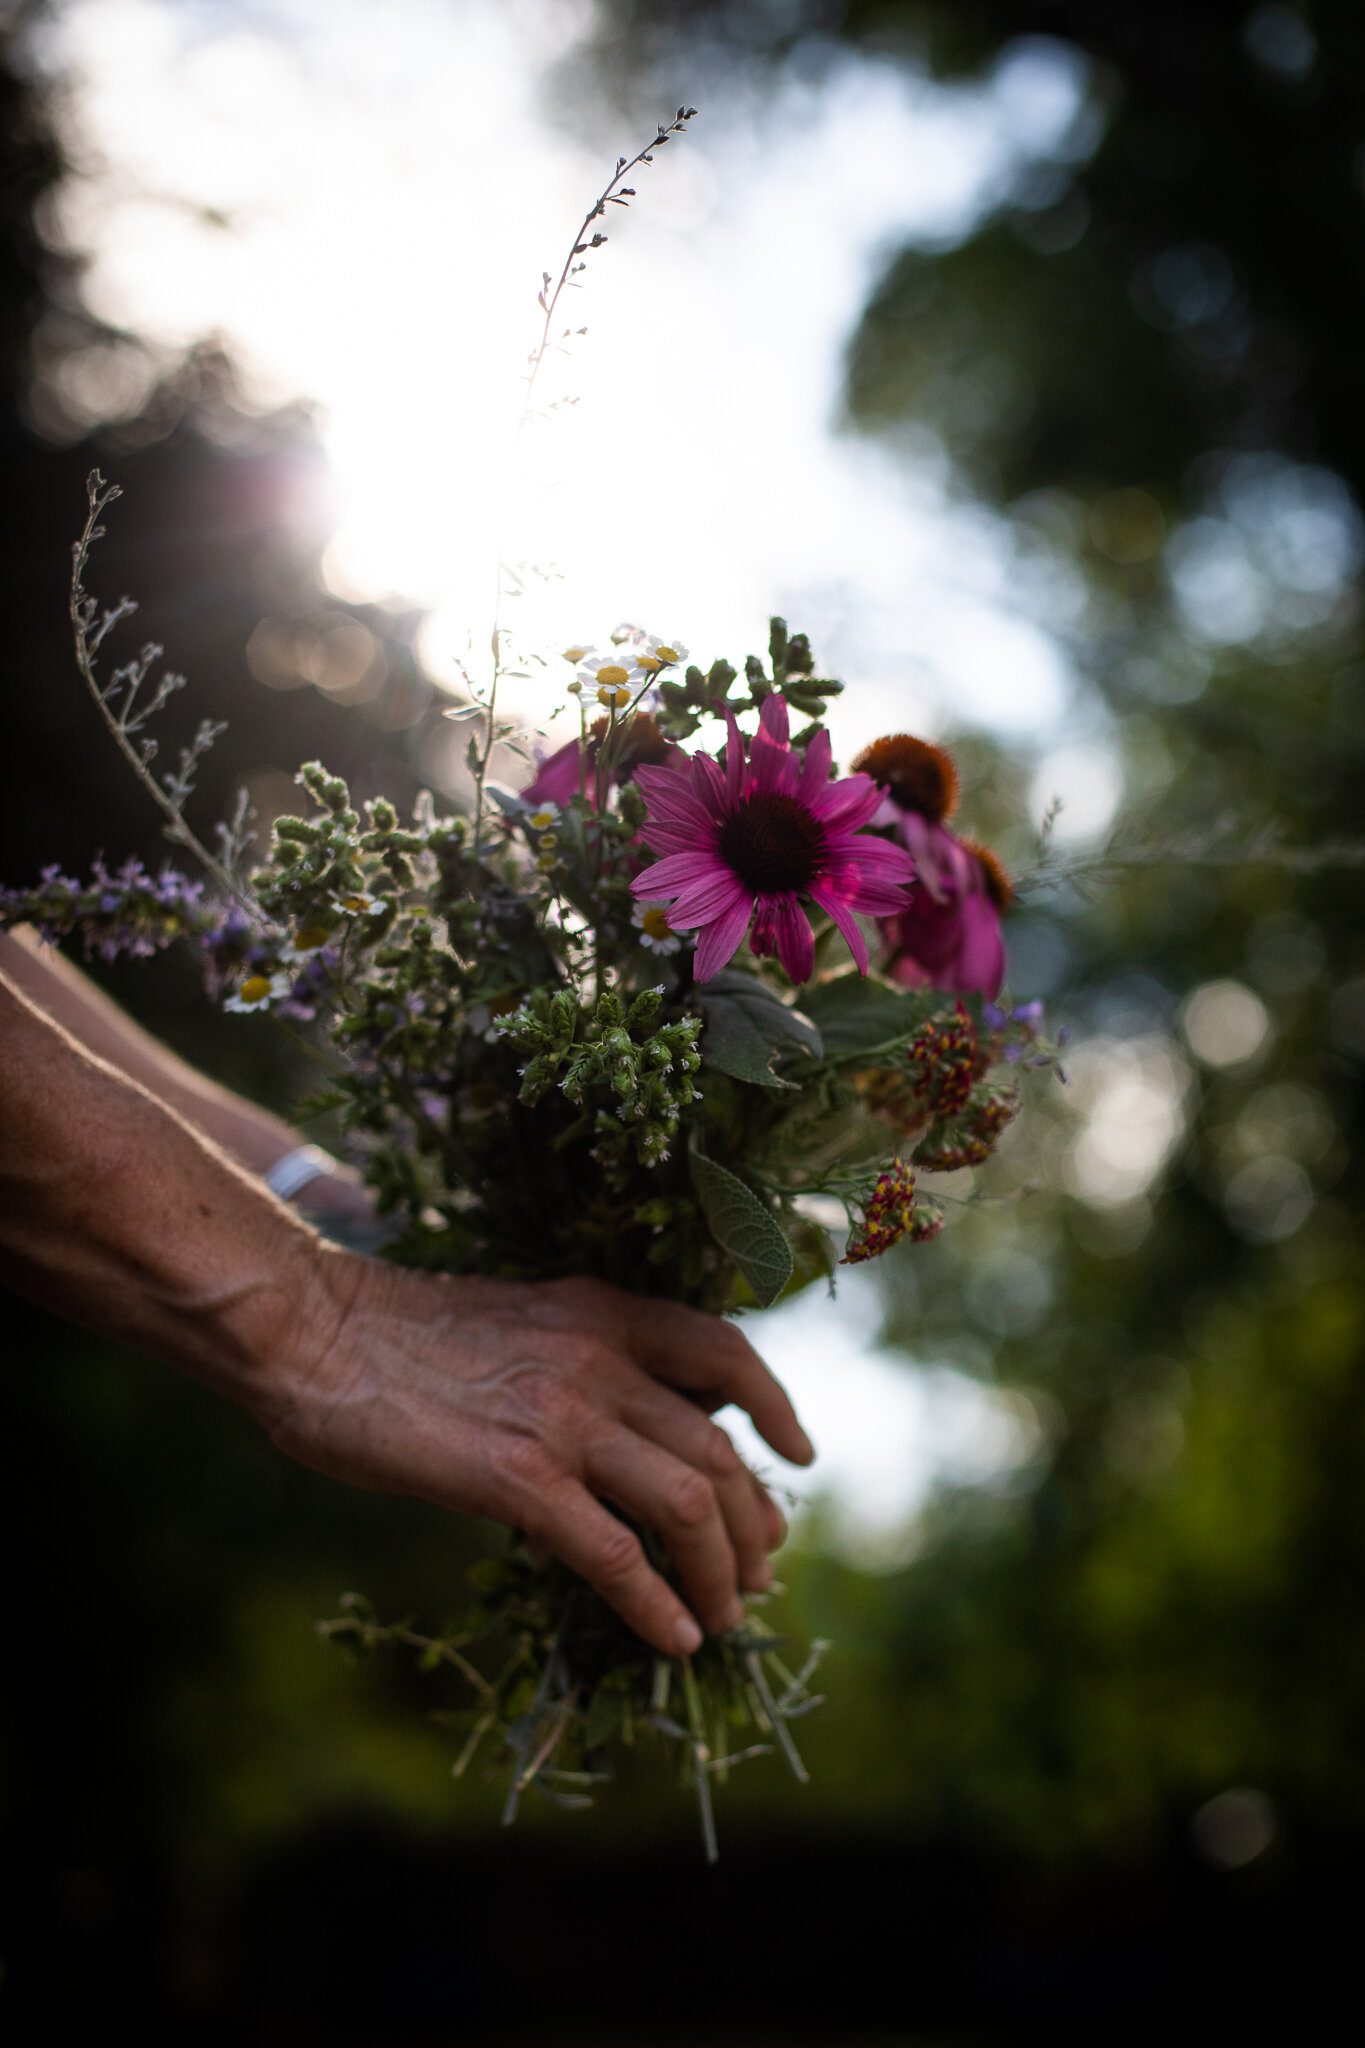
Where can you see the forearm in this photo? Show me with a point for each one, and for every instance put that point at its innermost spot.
(117, 1213)
(252, 1136)
(249, 1134)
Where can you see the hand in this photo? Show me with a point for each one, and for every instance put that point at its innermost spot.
(534, 1404)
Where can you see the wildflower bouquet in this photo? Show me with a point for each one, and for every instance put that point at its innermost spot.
(554, 1053)
(643, 1019)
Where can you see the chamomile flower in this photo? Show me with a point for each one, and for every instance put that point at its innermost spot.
(613, 679)
(362, 904)
(577, 654)
(258, 992)
(306, 942)
(656, 933)
(660, 654)
(543, 818)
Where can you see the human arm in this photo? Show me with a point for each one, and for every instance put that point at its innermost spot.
(533, 1404)
(249, 1134)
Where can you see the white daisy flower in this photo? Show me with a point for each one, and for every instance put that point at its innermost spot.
(308, 940)
(660, 654)
(362, 904)
(656, 933)
(543, 817)
(258, 992)
(576, 655)
(614, 679)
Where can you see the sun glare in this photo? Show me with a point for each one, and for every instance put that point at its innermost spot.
(361, 202)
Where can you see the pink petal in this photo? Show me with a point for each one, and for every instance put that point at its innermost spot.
(706, 899)
(772, 765)
(681, 810)
(670, 795)
(795, 939)
(719, 942)
(843, 805)
(734, 758)
(679, 838)
(860, 876)
(772, 769)
(981, 956)
(815, 768)
(558, 778)
(678, 871)
(773, 723)
(847, 923)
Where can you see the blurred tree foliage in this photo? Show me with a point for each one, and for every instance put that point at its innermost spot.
(1146, 359)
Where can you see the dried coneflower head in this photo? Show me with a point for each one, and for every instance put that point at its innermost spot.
(915, 774)
(998, 885)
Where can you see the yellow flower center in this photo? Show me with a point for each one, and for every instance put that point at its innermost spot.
(666, 654)
(255, 988)
(542, 820)
(615, 699)
(310, 938)
(548, 839)
(651, 663)
(655, 924)
(612, 676)
(575, 653)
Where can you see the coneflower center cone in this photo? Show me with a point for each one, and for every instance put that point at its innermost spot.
(774, 843)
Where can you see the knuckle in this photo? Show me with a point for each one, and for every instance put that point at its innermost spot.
(691, 1500)
(582, 1357)
(617, 1557)
(551, 1398)
(529, 1466)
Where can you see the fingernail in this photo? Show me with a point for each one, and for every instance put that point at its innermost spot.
(687, 1635)
(760, 1576)
(736, 1614)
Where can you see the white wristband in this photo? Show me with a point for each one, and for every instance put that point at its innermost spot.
(296, 1169)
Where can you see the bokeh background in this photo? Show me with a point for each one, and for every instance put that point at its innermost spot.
(1012, 351)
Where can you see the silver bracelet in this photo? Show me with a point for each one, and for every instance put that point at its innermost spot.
(288, 1175)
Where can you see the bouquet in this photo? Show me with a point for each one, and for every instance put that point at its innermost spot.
(644, 1018)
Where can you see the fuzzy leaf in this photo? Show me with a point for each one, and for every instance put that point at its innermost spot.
(857, 1016)
(747, 1026)
(743, 1228)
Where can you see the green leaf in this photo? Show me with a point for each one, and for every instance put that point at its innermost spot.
(743, 1228)
(857, 1016)
(747, 1026)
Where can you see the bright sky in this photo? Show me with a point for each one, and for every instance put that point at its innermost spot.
(394, 192)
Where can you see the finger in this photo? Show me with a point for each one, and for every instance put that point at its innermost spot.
(674, 1498)
(705, 1355)
(602, 1550)
(672, 1422)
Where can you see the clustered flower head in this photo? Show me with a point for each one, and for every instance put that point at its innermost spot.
(948, 935)
(888, 1212)
(762, 837)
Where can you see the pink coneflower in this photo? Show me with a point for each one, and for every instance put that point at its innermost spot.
(761, 836)
(948, 937)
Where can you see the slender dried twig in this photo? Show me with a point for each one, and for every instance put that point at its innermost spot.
(614, 193)
(117, 700)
